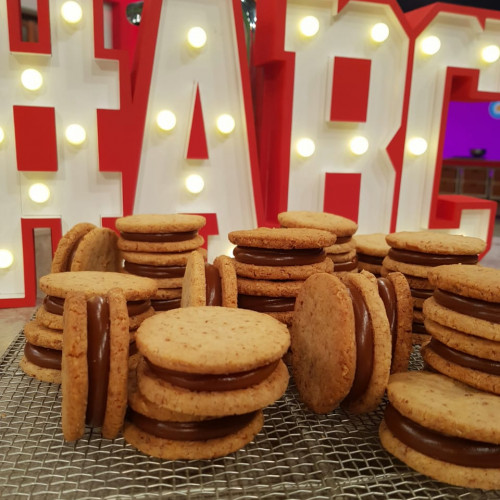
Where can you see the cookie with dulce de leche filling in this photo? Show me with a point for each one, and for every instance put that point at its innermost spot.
(463, 318)
(202, 396)
(343, 251)
(444, 429)
(371, 250)
(271, 264)
(157, 246)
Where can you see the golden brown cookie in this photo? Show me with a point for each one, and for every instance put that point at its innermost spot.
(443, 429)
(371, 250)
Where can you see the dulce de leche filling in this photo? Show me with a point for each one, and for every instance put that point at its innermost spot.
(166, 304)
(471, 307)
(350, 265)
(191, 431)
(278, 257)
(430, 259)
(454, 450)
(464, 359)
(154, 272)
(98, 359)
(388, 296)
(266, 304)
(43, 356)
(210, 382)
(213, 286)
(364, 345)
(159, 237)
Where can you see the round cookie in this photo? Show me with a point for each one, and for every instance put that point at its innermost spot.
(94, 363)
(336, 224)
(445, 411)
(209, 284)
(371, 250)
(66, 244)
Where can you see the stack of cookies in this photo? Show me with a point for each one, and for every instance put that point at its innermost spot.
(272, 264)
(415, 253)
(343, 251)
(203, 379)
(157, 246)
(463, 318)
(371, 249)
(44, 335)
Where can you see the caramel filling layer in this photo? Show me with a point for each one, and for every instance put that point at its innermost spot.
(370, 259)
(43, 357)
(277, 257)
(191, 431)
(430, 259)
(155, 272)
(420, 294)
(166, 304)
(98, 359)
(55, 305)
(454, 450)
(418, 327)
(210, 382)
(266, 304)
(364, 346)
(159, 237)
(471, 307)
(213, 286)
(388, 296)
(464, 359)
(346, 266)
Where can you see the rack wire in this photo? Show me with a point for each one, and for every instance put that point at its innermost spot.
(297, 455)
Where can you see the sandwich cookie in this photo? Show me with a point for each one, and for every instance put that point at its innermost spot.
(463, 318)
(86, 247)
(341, 343)
(415, 253)
(205, 375)
(272, 264)
(56, 286)
(343, 251)
(209, 284)
(371, 249)
(443, 429)
(157, 246)
(95, 356)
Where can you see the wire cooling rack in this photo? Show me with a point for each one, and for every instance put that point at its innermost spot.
(297, 455)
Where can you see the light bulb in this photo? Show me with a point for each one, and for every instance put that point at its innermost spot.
(430, 45)
(6, 258)
(358, 145)
(71, 12)
(166, 120)
(417, 146)
(305, 147)
(75, 134)
(309, 26)
(197, 37)
(39, 193)
(225, 124)
(195, 183)
(2, 135)
(380, 32)
(31, 79)
(491, 53)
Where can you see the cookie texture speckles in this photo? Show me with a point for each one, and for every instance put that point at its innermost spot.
(159, 223)
(340, 226)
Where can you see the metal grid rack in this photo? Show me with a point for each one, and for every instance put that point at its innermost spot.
(296, 455)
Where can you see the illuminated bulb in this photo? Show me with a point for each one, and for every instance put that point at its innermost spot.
(39, 193)
(195, 183)
(197, 37)
(2, 135)
(417, 146)
(491, 53)
(380, 32)
(166, 120)
(359, 145)
(6, 258)
(309, 26)
(225, 124)
(71, 12)
(75, 134)
(430, 45)
(305, 147)
(31, 79)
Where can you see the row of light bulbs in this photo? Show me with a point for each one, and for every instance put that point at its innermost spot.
(429, 45)
(305, 147)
